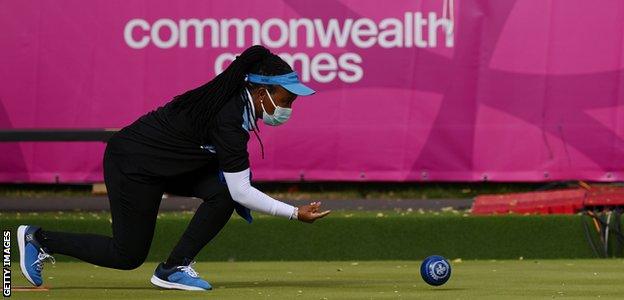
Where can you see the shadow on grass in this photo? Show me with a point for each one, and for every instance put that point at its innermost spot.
(264, 284)
(312, 284)
(231, 285)
(90, 287)
(289, 283)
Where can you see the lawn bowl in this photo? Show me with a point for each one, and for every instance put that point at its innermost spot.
(435, 270)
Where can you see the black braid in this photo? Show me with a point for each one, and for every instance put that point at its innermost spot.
(202, 104)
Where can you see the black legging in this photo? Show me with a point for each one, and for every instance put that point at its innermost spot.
(134, 207)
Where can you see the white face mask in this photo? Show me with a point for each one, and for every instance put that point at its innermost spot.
(279, 116)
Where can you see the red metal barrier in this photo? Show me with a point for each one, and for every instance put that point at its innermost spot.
(547, 202)
(567, 201)
(605, 196)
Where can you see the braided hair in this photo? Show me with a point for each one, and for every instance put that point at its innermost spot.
(203, 103)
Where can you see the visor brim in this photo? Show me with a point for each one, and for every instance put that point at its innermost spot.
(299, 89)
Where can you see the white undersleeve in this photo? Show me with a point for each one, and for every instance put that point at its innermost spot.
(242, 192)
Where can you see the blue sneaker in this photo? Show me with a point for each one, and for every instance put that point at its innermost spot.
(179, 278)
(32, 254)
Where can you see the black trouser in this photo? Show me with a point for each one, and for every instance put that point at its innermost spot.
(134, 207)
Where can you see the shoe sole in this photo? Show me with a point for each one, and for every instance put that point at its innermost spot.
(21, 243)
(174, 286)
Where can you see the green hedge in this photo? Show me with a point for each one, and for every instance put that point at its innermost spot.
(354, 236)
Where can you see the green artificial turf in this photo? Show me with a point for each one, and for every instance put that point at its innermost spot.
(507, 279)
(386, 235)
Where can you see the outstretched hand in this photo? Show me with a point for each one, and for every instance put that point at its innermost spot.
(309, 213)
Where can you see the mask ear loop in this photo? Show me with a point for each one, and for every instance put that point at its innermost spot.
(270, 98)
(272, 102)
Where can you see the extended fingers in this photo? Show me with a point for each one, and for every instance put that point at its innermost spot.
(322, 214)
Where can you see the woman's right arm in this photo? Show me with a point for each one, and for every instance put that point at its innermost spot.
(244, 193)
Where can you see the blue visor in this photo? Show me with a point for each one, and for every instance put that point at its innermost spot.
(288, 81)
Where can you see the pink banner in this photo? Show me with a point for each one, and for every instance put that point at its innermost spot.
(422, 90)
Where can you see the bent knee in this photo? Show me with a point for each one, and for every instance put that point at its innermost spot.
(131, 263)
(130, 260)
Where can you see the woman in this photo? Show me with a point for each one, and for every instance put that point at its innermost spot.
(195, 145)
